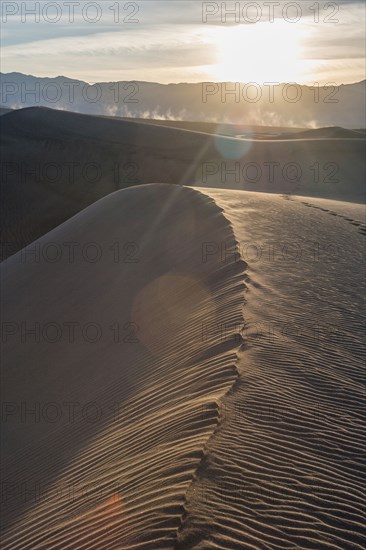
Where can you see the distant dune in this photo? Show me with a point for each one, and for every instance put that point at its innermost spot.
(256, 132)
(214, 374)
(230, 130)
(332, 132)
(56, 163)
(4, 110)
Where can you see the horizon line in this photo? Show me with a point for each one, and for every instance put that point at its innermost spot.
(186, 82)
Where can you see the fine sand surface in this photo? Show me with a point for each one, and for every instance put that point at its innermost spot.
(122, 423)
(285, 468)
(353, 213)
(56, 163)
(226, 411)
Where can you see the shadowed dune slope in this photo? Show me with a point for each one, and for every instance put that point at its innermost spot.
(285, 469)
(125, 401)
(56, 163)
(332, 132)
(216, 128)
(260, 132)
(4, 110)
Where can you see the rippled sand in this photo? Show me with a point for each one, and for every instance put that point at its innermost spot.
(225, 412)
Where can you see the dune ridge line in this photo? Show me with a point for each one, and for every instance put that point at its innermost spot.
(168, 384)
(230, 389)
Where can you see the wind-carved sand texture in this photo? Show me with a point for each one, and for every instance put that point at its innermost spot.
(285, 468)
(239, 422)
(117, 475)
(355, 214)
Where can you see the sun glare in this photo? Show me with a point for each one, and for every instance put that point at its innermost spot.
(261, 52)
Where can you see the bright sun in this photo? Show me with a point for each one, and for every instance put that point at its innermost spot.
(261, 52)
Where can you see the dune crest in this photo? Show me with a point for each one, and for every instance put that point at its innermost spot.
(143, 382)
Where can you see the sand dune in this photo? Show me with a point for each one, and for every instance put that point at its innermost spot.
(332, 132)
(5, 110)
(145, 394)
(350, 211)
(215, 128)
(57, 163)
(355, 214)
(285, 468)
(256, 132)
(239, 423)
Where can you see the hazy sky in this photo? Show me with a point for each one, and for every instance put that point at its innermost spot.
(186, 41)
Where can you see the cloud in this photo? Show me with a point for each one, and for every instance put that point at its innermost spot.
(170, 43)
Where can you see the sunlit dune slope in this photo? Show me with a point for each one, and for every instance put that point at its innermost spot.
(285, 469)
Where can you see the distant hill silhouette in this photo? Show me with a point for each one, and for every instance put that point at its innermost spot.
(280, 105)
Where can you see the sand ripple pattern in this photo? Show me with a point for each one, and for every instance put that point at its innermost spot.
(121, 481)
(285, 468)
